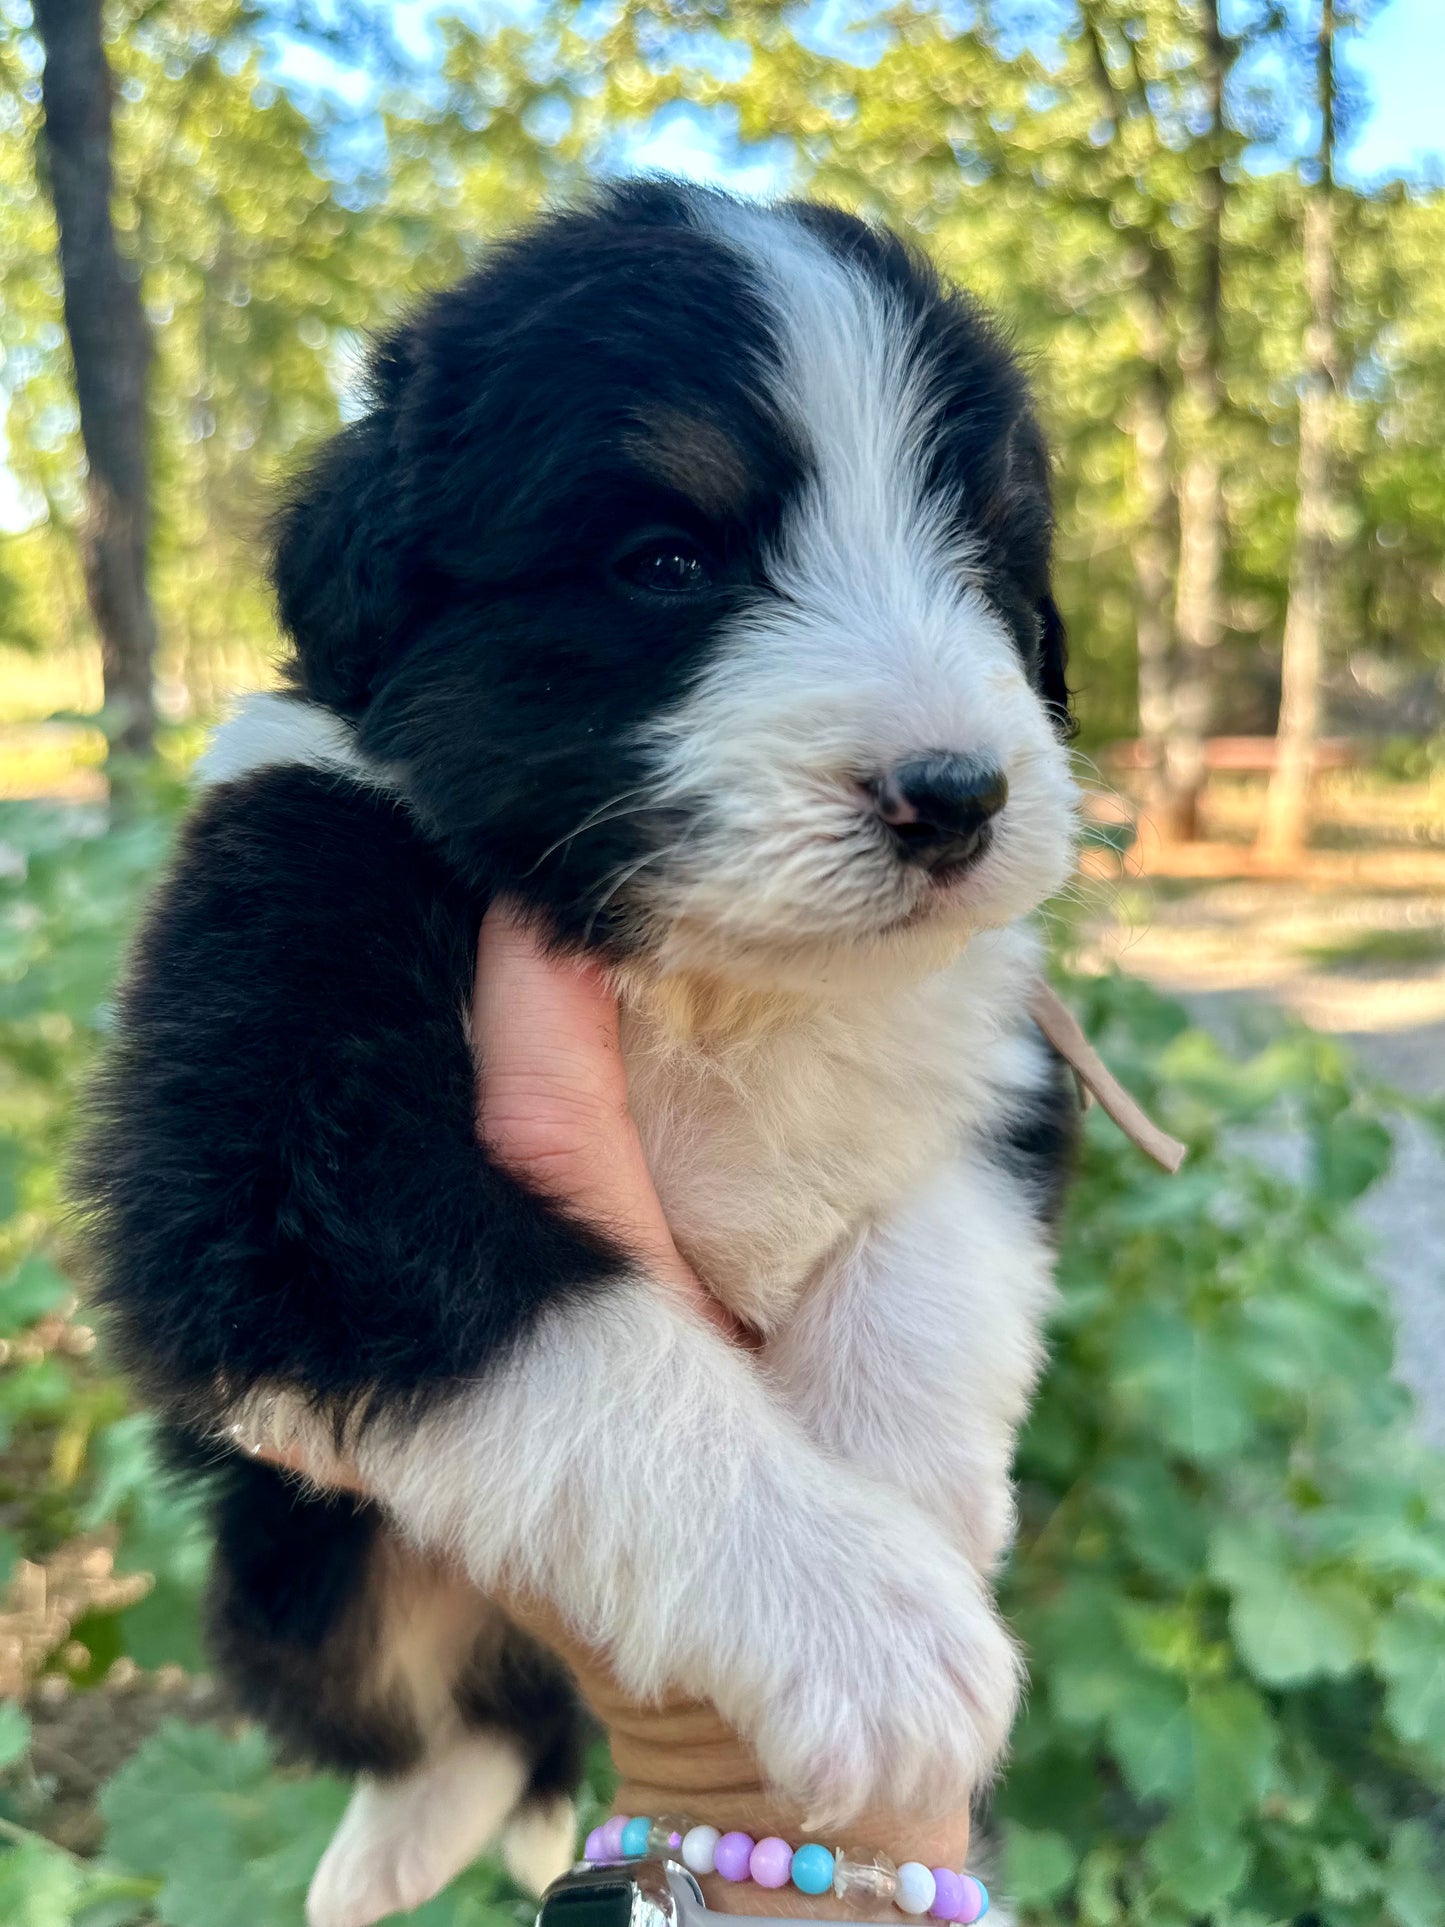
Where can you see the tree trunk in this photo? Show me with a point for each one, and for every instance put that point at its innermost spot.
(110, 347)
(1285, 824)
(1198, 621)
(1153, 546)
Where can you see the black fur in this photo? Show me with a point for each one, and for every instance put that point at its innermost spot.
(284, 1178)
(1041, 1145)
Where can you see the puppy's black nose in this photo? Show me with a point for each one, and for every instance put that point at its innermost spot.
(939, 807)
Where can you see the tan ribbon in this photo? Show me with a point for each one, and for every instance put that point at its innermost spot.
(1096, 1080)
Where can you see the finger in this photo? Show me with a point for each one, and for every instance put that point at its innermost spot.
(552, 1100)
(546, 1027)
(552, 1103)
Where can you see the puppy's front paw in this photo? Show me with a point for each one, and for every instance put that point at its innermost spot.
(901, 1688)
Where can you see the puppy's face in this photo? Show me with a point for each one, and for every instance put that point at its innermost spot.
(692, 571)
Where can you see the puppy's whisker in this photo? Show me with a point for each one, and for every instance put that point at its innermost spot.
(604, 813)
(628, 872)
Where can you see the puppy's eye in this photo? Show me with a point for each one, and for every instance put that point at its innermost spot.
(666, 565)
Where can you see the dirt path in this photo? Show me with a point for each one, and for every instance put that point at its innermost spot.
(1367, 966)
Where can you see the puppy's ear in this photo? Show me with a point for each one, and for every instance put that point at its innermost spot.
(334, 564)
(1053, 666)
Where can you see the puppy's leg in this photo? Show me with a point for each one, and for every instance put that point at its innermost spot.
(914, 1354)
(632, 1467)
(500, 1751)
(402, 1840)
(365, 1656)
(540, 1841)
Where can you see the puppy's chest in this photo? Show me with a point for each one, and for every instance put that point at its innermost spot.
(773, 1147)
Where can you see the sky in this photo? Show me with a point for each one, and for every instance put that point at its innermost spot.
(1401, 59)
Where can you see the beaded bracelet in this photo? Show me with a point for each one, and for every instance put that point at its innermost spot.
(938, 1892)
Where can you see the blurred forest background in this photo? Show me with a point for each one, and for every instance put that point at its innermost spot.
(1231, 1566)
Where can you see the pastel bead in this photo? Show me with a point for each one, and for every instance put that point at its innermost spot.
(634, 1836)
(948, 1894)
(916, 1888)
(812, 1869)
(699, 1849)
(594, 1849)
(732, 1856)
(610, 1833)
(771, 1862)
(975, 1900)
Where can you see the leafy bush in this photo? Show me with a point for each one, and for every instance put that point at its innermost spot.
(1231, 1565)
(1231, 1571)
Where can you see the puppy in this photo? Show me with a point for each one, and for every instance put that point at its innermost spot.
(687, 579)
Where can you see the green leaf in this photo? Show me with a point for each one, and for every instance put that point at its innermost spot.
(1352, 1152)
(232, 1841)
(164, 1534)
(1290, 1625)
(1179, 1383)
(1038, 1866)
(1163, 1528)
(14, 1733)
(1347, 1873)
(1198, 1863)
(1410, 1652)
(39, 1885)
(30, 1291)
(1414, 1886)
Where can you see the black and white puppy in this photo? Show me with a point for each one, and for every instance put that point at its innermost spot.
(688, 579)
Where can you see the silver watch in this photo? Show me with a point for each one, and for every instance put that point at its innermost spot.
(647, 1892)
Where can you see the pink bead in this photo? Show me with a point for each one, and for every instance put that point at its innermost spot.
(610, 1836)
(975, 1900)
(771, 1862)
(732, 1856)
(594, 1849)
(949, 1898)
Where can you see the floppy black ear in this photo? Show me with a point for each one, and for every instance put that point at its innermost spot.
(1053, 665)
(334, 564)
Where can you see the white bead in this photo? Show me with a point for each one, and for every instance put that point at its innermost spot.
(916, 1888)
(699, 1845)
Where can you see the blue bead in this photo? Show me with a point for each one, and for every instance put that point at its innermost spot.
(984, 1891)
(634, 1836)
(812, 1869)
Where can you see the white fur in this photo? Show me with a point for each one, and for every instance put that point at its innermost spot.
(268, 730)
(777, 1134)
(915, 1351)
(684, 1524)
(540, 1843)
(401, 1841)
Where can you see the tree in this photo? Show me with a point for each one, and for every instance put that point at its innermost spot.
(1286, 812)
(110, 347)
(1198, 616)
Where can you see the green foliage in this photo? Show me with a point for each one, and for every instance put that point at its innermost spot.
(1230, 1572)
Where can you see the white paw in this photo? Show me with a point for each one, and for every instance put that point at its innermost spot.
(899, 1686)
(401, 1841)
(540, 1843)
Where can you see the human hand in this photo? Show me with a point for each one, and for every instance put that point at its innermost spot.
(552, 1108)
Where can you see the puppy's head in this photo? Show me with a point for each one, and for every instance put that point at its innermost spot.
(691, 569)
